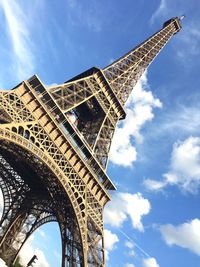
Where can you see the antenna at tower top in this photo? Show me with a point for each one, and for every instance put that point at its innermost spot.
(182, 17)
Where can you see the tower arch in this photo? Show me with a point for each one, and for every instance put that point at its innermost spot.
(22, 149)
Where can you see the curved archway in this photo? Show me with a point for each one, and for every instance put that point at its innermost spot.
(35, 156)
(49, 233)
(48, 251)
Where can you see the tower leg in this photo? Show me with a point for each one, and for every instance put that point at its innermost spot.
(95, 245)
(72, 250)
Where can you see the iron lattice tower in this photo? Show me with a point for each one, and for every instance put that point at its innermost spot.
(54, 146)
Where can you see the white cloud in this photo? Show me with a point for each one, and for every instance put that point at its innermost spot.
(131, 253)
(184, 170)
(28, 251)
(17, 27)
(150, 262)
(129, 265)
(139, 110)
(2, 263)
(129, 244)
(110, 240)
(124, 206)
(186, 235)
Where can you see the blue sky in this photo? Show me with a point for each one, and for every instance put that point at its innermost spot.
(154, 217)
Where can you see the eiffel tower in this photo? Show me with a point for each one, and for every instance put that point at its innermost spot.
(54, 147)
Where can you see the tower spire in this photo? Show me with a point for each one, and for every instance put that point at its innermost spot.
(124, 73)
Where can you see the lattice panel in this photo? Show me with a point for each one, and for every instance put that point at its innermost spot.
(95, 211)
(14, 191)
(103, 142)
(14, 107)
(72, 249)
(4, 116)
(124, 73)
(68, 96)
(38, 136)
(39, 212)
(41, 138)
(95, 241)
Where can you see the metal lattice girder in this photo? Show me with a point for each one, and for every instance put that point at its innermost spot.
(19, 231)
(95, 98)
(124, 73)
(95, 242)
(54, 147)
(38, 209)
(13, 107)
(14, 191)
(72, 253)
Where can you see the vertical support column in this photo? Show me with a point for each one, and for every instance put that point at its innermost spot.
(96, 255)
(72, 250)
(7, 248)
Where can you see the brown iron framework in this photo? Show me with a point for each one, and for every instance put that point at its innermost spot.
(54, 148)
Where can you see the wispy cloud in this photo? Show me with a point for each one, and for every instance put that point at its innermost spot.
(131, 244)
(139, 110)
(189, 42)
(179, 119)
(160, 11)
(87, 16)
(129, 265)
(18, 31)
